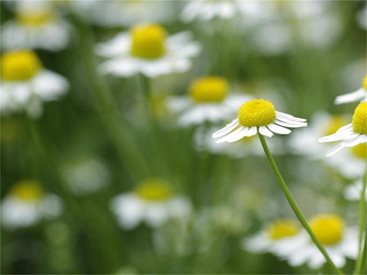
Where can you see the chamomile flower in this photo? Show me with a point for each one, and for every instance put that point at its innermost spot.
(358, 95)
(36, 25)
(350, 163)
(258, 116)
(26, 204)
(25, 84)
(305, 141)
(152, 202)
(353, 191)
(340, 242)
(148, 50)
(209, 100)
(205, 10)
(352, 134)
(279, 238)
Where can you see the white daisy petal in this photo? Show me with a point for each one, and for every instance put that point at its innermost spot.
(351, 97)
(265, 131)
(234, 135)
(228, 128)
(251, 132)
(289, 117)
(278, 129)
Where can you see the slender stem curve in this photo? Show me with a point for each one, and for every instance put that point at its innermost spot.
(292, 202)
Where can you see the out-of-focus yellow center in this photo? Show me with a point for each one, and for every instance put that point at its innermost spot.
(335, 123)
(154, 190)
(282, 229)
(360, 150)
(27, 190)
(359, 120)
(257, 112)
(364, 83)
(247, 139)
(19, 65)
(209, 89)
(148, 41)
(35, 18)
(328, 228)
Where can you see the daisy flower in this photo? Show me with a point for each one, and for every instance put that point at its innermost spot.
(152, 202)
(258, 116)
(25, 84)
(146, 49)
(359, 95)
(353, 191)
(279, 238)
(36, 25)
(350, 163)
(305, 141)
(26, 204)
(205, 10)
(352, 134)
(109, 13)
(86, 176)
(209, 100)
(340, 242)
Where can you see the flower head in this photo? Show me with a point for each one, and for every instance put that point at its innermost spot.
(27, 203)
(339, 240)
(152, 201)
(147, 49)
(25, 84)
(351, 134)
(209, 89)
(258, 116)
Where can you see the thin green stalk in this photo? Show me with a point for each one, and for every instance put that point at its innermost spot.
(292, 202)
(361, 261)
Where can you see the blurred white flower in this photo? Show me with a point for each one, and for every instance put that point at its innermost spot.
(353, 191)
(146, 49)
(249, 146)
(258, 116)
(362, 17)
(305, 141)
(280, 238)
(351, 134)
(151, 202)
(350, 163)
(27, 204)
(209, 100)
(25, 84)
(339, 241)
(86, 176)
(358, 95)
(111, 13)
(36, 25)
(205, 10)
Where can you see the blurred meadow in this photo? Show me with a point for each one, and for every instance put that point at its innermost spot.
(108, 165)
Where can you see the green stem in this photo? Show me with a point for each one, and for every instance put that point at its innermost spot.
(297, 211)
(361, 261)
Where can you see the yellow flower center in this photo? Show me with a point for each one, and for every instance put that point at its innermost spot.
(334, 124)
(27, 190)
(154, 190)
(209, 89)
(282, 229)
(364, 83)
(148, 41)
(359, 121)
(360, 150)
(328, 228)
(19, 65)
(256, 112)
(35, 18)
